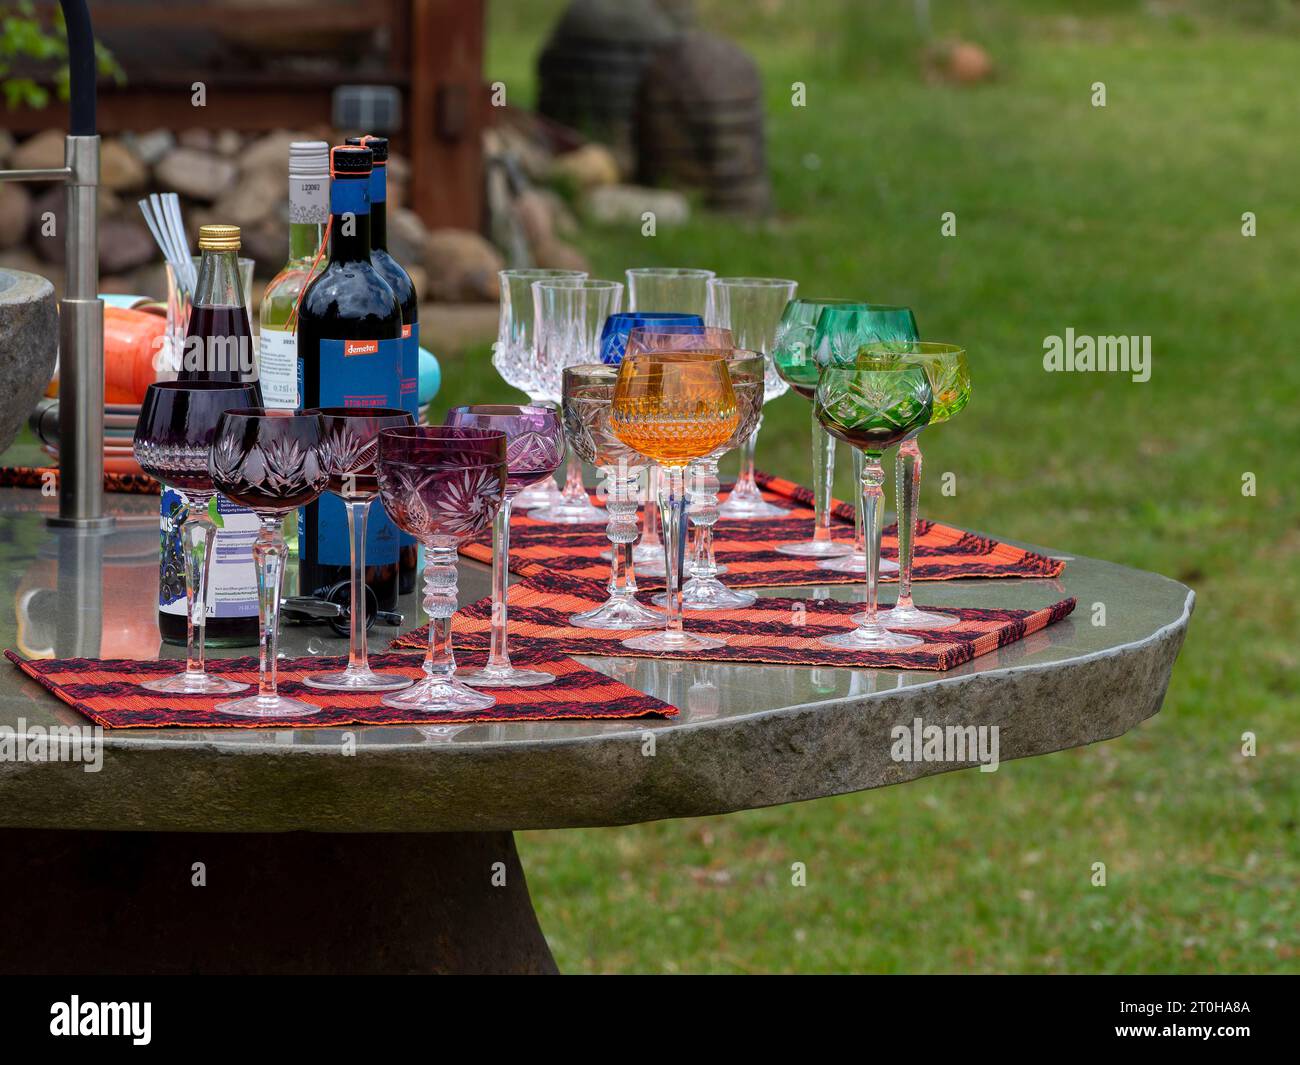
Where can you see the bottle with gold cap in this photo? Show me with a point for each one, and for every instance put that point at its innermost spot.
(219, 340)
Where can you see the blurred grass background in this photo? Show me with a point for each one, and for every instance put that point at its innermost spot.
(1117, 220)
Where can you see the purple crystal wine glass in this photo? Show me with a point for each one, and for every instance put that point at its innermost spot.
(172, 437)
(443, 485)
(350, 449)
(269, 461)
(534, 451)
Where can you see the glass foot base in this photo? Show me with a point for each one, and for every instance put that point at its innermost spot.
(672, 641)
(536, 496)
(619, 613)
(503, 677)
(913, 618)
(195, 684)
(854, 563)
(269, 706)
(876, 639)
(358, 681)
(709, 594)
(746, 507)
(439, 696)
(817, 549)
(568, 514)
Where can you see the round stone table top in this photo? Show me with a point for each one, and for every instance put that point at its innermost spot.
(747, 736)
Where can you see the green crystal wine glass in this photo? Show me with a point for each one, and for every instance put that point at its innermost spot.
(841, 332)
(871, 410)
(948, 370)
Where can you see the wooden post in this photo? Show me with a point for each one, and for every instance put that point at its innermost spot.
(446, 112)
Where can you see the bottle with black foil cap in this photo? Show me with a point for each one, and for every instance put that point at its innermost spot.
(349, 328)
(397, 277)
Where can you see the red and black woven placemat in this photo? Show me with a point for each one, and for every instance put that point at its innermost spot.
(40, 476)
(108, 692)
(774, 630)
(749, 549)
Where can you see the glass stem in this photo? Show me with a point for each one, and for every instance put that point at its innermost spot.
(650, 513)
(358, 512)
(873, 494)
(746, 487)
(499, 655)
(197, 537)
(672, 512)
(704, 516)
(268, 554)
(440, 605)
(907, 493)
(574, 490)
(823, 446)
(620, 528)
(859, 526)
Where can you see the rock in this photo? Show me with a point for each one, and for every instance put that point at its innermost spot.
(203, 140)
(419, 278)
(15, 213)
(197, 174)
(969, 63)
(7, 146)
(124, 245)
(29, 332)
(40, 152)
(625, 204)
(588, 167)
(507, 141)
(119, 168)
(267, 244)
(534, 213)
(255, 198)
(558, 255)
(150, 147)
(45, 234)
(229, 142)
(461, 265)
(407, 236)
(271, 152)
(563, 219)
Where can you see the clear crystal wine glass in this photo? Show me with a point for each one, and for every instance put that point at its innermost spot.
(842, 331)
(349, 448)
(173, 434)
(443, 485)
(269, 461)
(668, 288)
(588, 410)
(870, 410)
(515, 355)
(534, 451)
(674, 407)
(570, 317)
(948, 370)
(751, 308)
(792, 355)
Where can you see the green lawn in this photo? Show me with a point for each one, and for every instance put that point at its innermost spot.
(1117, 220)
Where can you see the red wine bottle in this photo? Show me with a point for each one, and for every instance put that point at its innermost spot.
(218, 347)
(349, 354)
(404, 288)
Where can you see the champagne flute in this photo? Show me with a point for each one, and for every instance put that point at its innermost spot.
(173, 434)
(751, 308)
(443, 485)
(870, 410)
(271, 462)
(534, 451)
(949, 373)
(674, 407)
(349, 448)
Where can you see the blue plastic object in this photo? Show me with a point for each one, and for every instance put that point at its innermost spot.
(430, 376)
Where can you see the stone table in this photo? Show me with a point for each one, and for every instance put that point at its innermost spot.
(391, 848)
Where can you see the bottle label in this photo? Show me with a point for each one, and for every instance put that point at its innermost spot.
(309, 200)
(350, 195)
(232, 574)
(357, 373)
(277, 358)
(410, 384)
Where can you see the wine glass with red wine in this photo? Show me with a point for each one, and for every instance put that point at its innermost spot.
(269, 461)
(172, 438)
(350, 448)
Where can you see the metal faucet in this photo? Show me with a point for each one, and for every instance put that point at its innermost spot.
(81, 315)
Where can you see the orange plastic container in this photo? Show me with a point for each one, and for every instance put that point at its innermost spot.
(132, 341)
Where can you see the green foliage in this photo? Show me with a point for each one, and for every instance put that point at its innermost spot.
(24, 36)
